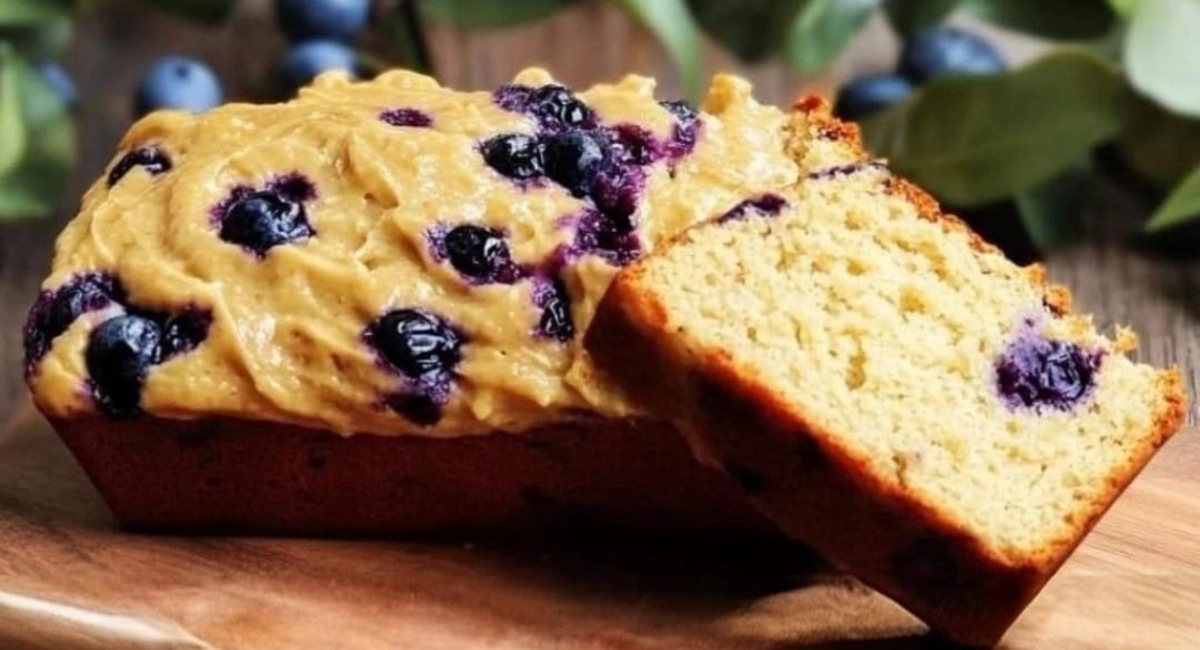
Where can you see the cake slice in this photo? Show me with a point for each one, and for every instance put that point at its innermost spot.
(886, 386)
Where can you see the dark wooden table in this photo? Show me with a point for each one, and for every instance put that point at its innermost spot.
(1156, 296)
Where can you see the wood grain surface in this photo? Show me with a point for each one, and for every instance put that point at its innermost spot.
(69, 579)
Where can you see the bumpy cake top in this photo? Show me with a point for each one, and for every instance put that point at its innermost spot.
(388, 256)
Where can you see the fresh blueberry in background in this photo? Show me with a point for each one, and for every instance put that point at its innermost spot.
(940, 51)
(119, 355)
(869, 94)
(480, 253)
(416, 342)
(339, 20)
(260, 221)
(305, 61)
(178, 83)
(154, 160)
(59, 81)
(571, 159)
(516, 155)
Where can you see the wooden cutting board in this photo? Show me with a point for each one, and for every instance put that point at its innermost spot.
(69, 579)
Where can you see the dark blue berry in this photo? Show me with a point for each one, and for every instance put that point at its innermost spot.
(612, 239)
(60, 82)
(150, 158)
(261, 220)
(406, 117)
(686, 131)
(940, 51)
(416, 342)
(556, 321)
(178, 83)
(615, 191)
(303, 20)
(305, 61)
(682, 110)
(1036, 373)
(418, 408)
(515, 155)
(766, 205)
(635, 145)
(480, 254)
(867, 95)
(119, 355)
(572, 158)
(56, 309)
(557, 107)
(183, 333)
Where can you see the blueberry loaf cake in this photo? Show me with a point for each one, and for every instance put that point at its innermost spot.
(886, 387)
(361, 311)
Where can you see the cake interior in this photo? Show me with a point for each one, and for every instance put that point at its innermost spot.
(898, 334)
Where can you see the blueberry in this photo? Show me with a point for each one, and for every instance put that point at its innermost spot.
(406, 117)
(119, 355)
(867, 95)
(1033, 372)
(942, 50)
(556, 321)
(480, 254)
(682, 110)
(612, 239)
(185, 332)
(615, 191)
(305, 61)
(416, 342)
(686, 131)
(571, 159)
(516, 156)
(557, 107)
(303, 20)
(418, 408)
(60, 82)
(767, 205)
(150, 158)
(514, 98)
(55, 310)
(179, 83)
(262, 220)
(635, 145)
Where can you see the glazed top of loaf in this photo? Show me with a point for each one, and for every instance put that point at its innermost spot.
(388, 257)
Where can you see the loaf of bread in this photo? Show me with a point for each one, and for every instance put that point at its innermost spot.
(885, 386)
(361, 311)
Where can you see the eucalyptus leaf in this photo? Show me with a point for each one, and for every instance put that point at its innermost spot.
(1162, 51)
(32, 12)
(752, 29)
(911, 16)
(1155, 143)
(822, 29)
(672, 24)
(1123, 7)
(205, 11)
(12, 124)
(1059, 19)
(1052, 212)
(1181, 206)
(35, 187)
(973, 140)
(480, 14)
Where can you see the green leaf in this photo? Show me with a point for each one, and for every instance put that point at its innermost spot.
(205, 11)
(1060, 19)
(34, 188)
(480, 14)
(751, 29)
(32, 12)
(12, 124)
(402, 29)
(1158, 144)
(822, 30)
(46, 41)
(911, 16)
(973, 140)
(1052, 212)
(1124, 8)
(1182, 205)
(671, 22)
(1162, 51)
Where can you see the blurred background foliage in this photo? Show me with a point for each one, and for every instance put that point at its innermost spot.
(1117, 95)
